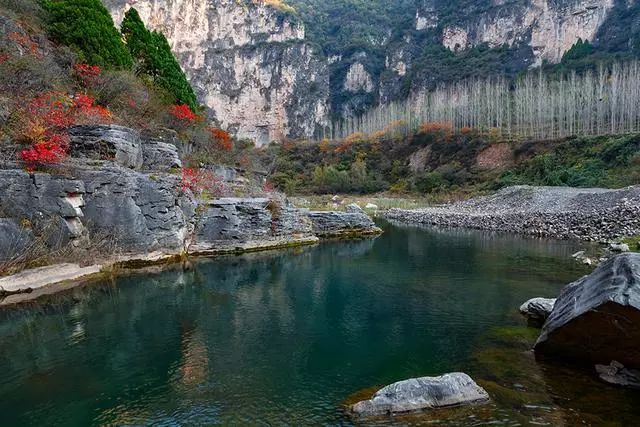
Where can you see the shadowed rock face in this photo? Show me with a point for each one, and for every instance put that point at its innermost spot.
(418, 394)
(596, 319)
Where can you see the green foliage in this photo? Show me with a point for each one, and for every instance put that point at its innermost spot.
(448, 164)
(153, 55)
(582, 162)
(579, 50)
(633, 242)
(87, 27)
(429, 182)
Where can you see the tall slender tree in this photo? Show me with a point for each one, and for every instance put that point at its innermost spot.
(153, 57)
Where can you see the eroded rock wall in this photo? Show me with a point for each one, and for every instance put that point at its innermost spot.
(549, 27)
(123, 189)
(248, 63)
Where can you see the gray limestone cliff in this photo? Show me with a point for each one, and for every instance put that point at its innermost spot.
(124, 188)
(248, 62)
(526, 32)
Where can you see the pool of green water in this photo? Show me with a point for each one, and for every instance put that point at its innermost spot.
(286, 337)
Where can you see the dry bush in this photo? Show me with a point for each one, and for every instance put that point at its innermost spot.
(48, 247)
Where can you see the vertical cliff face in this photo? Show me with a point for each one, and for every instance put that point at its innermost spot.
(248, 62)
(549, 27)
(508, 36)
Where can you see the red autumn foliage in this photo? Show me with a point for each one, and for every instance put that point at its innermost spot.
(87, 74)
(466, 130)
(4, 57)
(88, 111)
(47, 119)
(268, 187)
(221, 138)
(202, 182)
(47, 152)
(183, 113)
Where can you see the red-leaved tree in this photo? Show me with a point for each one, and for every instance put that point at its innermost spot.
(221, 139)
(202, 183)
(46, 120)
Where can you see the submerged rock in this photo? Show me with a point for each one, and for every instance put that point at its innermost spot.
(416, 394)
(537, 310)
(616, 373)
(596, 319)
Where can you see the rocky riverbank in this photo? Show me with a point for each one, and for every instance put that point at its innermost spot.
(120, 200)
(590, 214)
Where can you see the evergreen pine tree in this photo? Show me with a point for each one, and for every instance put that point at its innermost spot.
(87, 27)
(154, 58)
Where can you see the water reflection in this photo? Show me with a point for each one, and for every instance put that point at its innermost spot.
(277, 337)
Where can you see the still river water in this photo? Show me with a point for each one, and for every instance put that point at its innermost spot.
(286, 337)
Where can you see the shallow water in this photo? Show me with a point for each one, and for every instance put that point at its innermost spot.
(285, 337)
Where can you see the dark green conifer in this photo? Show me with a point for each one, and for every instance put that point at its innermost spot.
(154, 58)
(87, 27)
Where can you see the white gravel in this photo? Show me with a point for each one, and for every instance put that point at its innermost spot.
(594, 214)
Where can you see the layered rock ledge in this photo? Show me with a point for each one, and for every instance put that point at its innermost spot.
(591, 214)
(119, 198)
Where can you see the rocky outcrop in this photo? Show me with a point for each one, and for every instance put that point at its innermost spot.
(107, 142)
(548, 28)
(537, 310)
(418, 394)
(527, 33)
(358, 79)
(247, 61)
(596, 319)
(592, 214)
(131, 200)
(124, 146)
(160, 156)
(138, 211)
(342, 224)
(228, 224)
(49, 205)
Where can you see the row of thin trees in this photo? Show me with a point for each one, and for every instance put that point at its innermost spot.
(536, 105)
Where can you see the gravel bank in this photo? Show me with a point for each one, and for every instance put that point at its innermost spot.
(592, 214)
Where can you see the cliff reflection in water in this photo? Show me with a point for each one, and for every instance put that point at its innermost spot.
(278, 337)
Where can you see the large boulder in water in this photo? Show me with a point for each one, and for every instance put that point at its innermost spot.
(417, 394)
(596, 319)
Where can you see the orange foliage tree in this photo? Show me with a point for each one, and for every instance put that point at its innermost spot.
(221, 139)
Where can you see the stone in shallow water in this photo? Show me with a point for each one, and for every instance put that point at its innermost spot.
(417, 394)
(616, 373)
(596, 319)
(536, 310)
